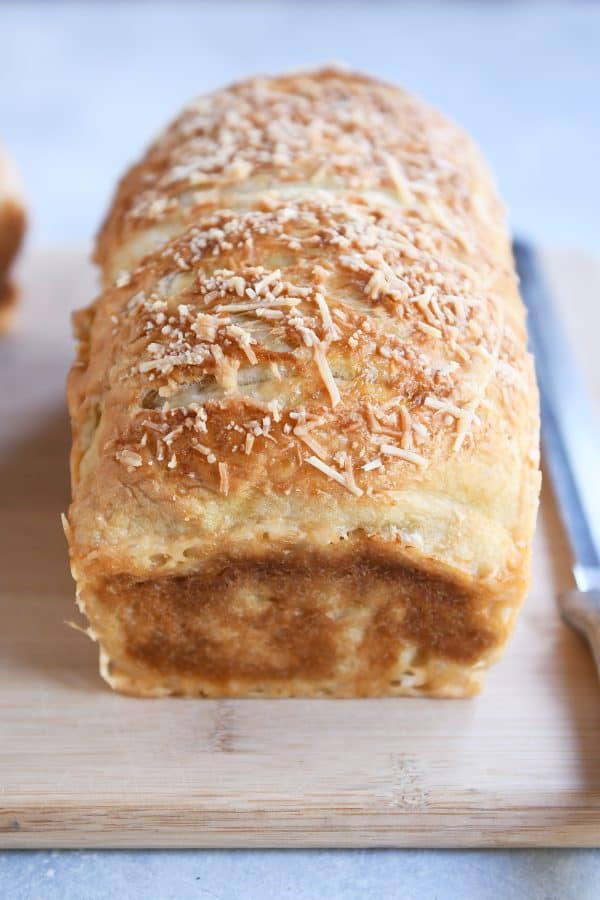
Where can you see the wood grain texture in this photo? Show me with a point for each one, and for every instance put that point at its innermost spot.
(80, 766)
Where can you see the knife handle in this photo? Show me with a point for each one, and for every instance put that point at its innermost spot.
(581, 610)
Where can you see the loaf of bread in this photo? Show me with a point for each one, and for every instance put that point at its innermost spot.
(305, 423)
(12, 227)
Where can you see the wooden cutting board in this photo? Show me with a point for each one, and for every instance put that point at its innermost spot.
(81, 767)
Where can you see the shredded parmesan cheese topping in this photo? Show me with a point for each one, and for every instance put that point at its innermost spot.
(345, 316)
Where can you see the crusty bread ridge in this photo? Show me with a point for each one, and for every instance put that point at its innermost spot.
(305, 422)
(12, 228)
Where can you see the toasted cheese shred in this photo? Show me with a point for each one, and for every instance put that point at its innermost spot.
(350, 482)
(445, 406)
(399, 179)
(407, 426)
(271, 303)
(312, 443)
(373, 464)
(326, 374)
(225, 369)
(407, 455)
(224, 478)
(328, 324)
(334, 475)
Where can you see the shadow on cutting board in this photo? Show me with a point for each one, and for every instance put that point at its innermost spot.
(37, 596)
(568, 663)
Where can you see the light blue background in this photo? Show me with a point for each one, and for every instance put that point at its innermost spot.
(83, 87)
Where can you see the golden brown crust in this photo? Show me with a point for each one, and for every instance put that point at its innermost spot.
(313, 335)
(12, 229)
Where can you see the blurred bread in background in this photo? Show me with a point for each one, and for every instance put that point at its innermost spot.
(12, 228)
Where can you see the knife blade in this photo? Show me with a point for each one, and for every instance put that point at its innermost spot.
(570, 445)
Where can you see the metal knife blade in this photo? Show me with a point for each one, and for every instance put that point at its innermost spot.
(571, 444)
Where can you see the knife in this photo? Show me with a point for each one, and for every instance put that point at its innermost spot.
(570, 446)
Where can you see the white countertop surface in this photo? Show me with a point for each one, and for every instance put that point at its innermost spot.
(83, 87)
(300, 875)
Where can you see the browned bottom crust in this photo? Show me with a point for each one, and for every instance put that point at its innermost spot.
(357, 623)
